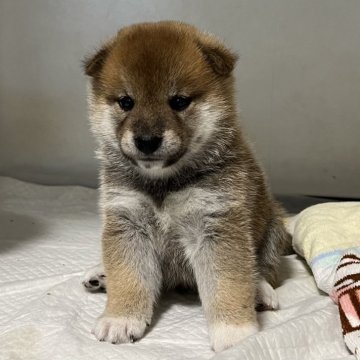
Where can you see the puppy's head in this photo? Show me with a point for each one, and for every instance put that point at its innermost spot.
(159, 93)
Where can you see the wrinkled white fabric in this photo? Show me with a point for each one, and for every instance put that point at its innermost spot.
(50, 235)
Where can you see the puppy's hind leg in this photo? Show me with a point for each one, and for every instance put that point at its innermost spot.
(95, 279)
(276, 242)
(266, 296)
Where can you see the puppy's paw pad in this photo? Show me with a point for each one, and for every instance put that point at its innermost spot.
(117, 330)
(95, 279)
(266, 298)
(224, 335)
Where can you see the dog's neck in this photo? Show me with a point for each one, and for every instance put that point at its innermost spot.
(222, 150)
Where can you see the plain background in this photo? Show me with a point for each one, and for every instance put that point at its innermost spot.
(298, 83)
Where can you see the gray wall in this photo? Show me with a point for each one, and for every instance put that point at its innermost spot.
(298, 84)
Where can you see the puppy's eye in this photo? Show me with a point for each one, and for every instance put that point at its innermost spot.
(180, 103)
(126, 103)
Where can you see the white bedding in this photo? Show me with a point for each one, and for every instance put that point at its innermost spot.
(50, 235)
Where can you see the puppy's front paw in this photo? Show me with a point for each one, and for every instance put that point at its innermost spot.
(223, 335)
(119, 329)
(266, 298)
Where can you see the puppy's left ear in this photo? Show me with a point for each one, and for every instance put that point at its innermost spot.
(219, 57)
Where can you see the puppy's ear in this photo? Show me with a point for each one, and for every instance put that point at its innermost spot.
(94, 64)
(220, 58)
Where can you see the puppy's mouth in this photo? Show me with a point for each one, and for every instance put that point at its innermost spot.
(154, 163)
(150, 164)
(149, 158)
(158, 162)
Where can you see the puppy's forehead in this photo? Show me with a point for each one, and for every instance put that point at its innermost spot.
(161, 57)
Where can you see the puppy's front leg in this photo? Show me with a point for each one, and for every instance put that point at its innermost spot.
(133, 279)
(224, 267)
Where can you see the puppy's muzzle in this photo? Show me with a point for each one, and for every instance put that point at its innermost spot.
(147, 144)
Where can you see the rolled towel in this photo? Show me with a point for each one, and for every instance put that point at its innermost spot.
(328, 237)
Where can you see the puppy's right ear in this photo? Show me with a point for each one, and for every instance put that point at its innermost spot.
(94, 64)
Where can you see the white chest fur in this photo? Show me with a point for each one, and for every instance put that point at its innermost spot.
(183, 212)
(180, 206)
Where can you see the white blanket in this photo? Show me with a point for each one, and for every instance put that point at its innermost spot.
(50, 235)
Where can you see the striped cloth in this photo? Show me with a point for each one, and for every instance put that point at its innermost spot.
(346, 293)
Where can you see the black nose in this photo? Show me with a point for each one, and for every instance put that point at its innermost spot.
(148, 144)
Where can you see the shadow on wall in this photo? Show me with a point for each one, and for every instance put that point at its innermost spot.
(17, 228)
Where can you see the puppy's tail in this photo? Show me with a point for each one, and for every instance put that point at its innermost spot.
(279, 228)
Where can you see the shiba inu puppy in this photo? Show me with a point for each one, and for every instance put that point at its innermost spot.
(183, 200)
